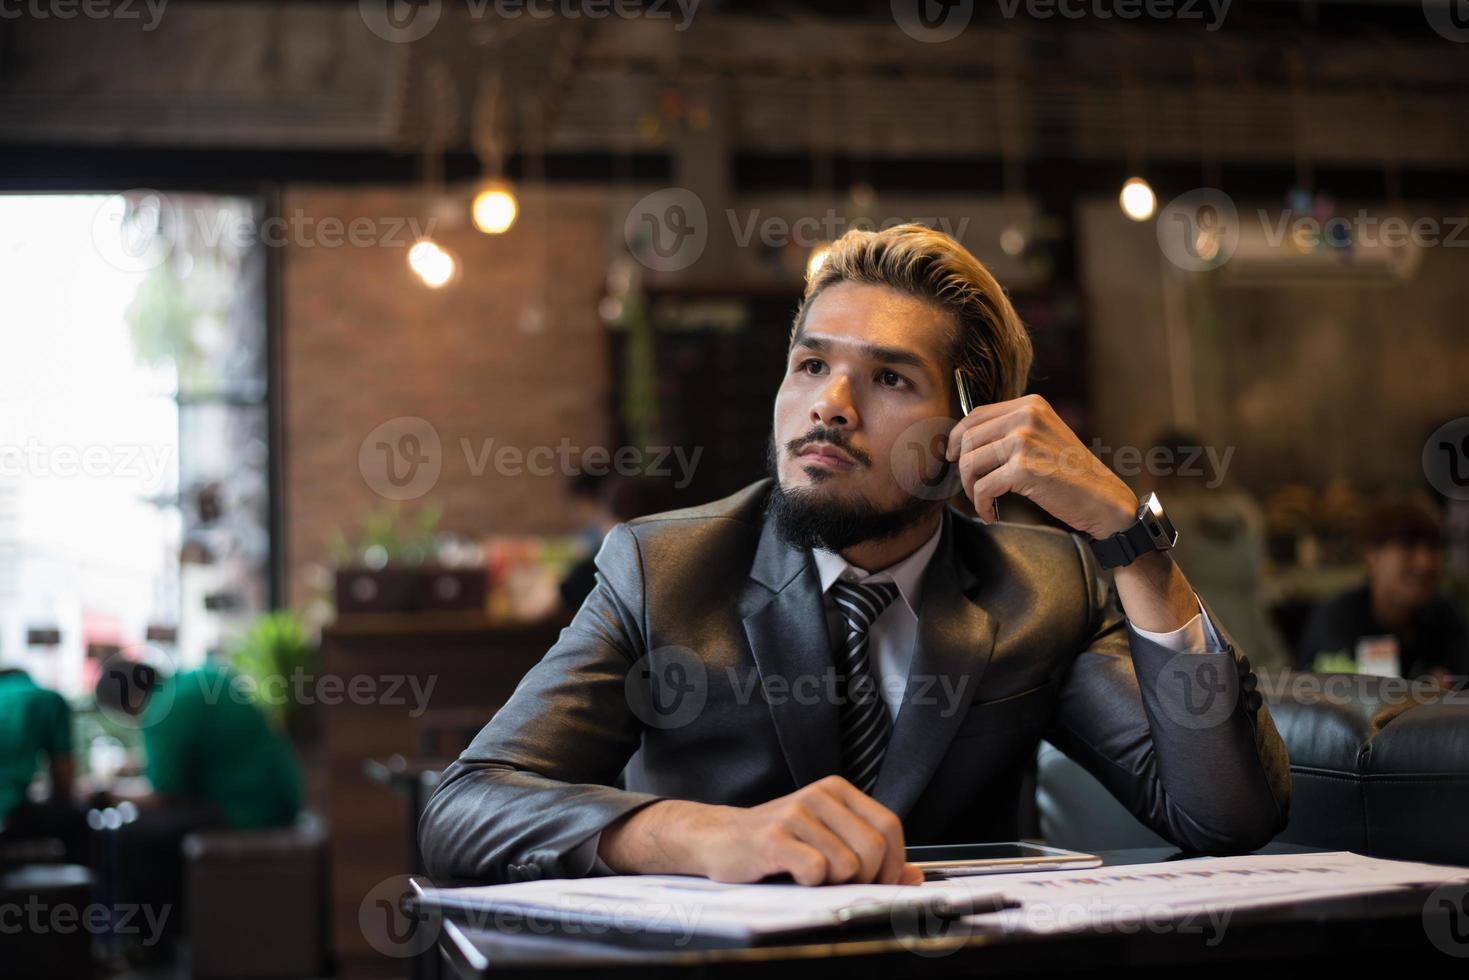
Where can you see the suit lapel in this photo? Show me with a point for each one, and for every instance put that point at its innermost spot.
(955, 641)
(785, 623)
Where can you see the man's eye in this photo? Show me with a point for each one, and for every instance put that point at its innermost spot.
(891, 379)
(810, 366)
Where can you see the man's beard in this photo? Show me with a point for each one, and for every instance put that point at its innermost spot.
(808, 518)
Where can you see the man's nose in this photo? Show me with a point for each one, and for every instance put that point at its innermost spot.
(833, 406)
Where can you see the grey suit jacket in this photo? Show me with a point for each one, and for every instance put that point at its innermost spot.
(699, 669)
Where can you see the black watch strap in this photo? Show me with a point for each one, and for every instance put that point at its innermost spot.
(1124, 547)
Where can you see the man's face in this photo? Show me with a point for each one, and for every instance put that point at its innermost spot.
(1406, 574)
(869, 363)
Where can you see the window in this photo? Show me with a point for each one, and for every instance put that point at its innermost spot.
(134, 429)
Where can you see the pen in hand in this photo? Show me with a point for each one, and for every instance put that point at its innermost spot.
(966, 405)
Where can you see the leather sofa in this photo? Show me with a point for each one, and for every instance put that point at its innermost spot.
(1379, 766)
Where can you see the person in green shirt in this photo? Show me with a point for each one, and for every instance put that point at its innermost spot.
(35, 722)
(213, 760)
(209, 747)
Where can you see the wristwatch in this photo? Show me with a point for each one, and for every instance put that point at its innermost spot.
(1152, 532)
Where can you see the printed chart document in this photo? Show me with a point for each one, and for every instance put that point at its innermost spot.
(687, 906)
(1035, 902)
(1064, 901)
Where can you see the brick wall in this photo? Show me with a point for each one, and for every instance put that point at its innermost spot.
(364, 342)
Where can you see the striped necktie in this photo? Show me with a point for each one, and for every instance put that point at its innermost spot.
(864, 717)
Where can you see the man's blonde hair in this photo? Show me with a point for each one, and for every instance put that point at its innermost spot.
(990, 344)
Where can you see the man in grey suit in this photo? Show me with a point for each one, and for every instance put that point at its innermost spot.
(803, 677)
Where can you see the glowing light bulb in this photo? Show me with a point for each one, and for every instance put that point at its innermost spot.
(431, 263)
(1012, 239)
(1137, 199)
(495, 208)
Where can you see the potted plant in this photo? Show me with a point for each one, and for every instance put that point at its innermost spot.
(274, 651)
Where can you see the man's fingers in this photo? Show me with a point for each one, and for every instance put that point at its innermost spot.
(985, 418)
(803, 862)
(885, 822)
(994, 430)
(981, 461)
(995, 483)
(843, 864)
(867, 843)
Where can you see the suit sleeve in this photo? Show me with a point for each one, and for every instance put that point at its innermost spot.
(538, 781)
(1182, 739)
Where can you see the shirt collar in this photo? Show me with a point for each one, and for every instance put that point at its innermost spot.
(907, 574)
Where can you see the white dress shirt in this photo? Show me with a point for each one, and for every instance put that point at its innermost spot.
(894, 634)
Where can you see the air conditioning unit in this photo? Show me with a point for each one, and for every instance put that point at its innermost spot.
(1278, 246)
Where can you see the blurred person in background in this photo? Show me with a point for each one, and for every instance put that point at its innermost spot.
(600, 504)
(589, 511)
(1221, 542)
(213, 761)
(35, 723)
(1399, 621)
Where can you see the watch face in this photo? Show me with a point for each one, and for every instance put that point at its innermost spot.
(1158, 526)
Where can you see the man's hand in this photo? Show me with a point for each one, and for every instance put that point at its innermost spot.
(1022, 446)
(823, 834)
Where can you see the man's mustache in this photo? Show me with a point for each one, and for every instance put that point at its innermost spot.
(833, 436)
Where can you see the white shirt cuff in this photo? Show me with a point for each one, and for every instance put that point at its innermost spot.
(583, 859)
(1195, 636)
